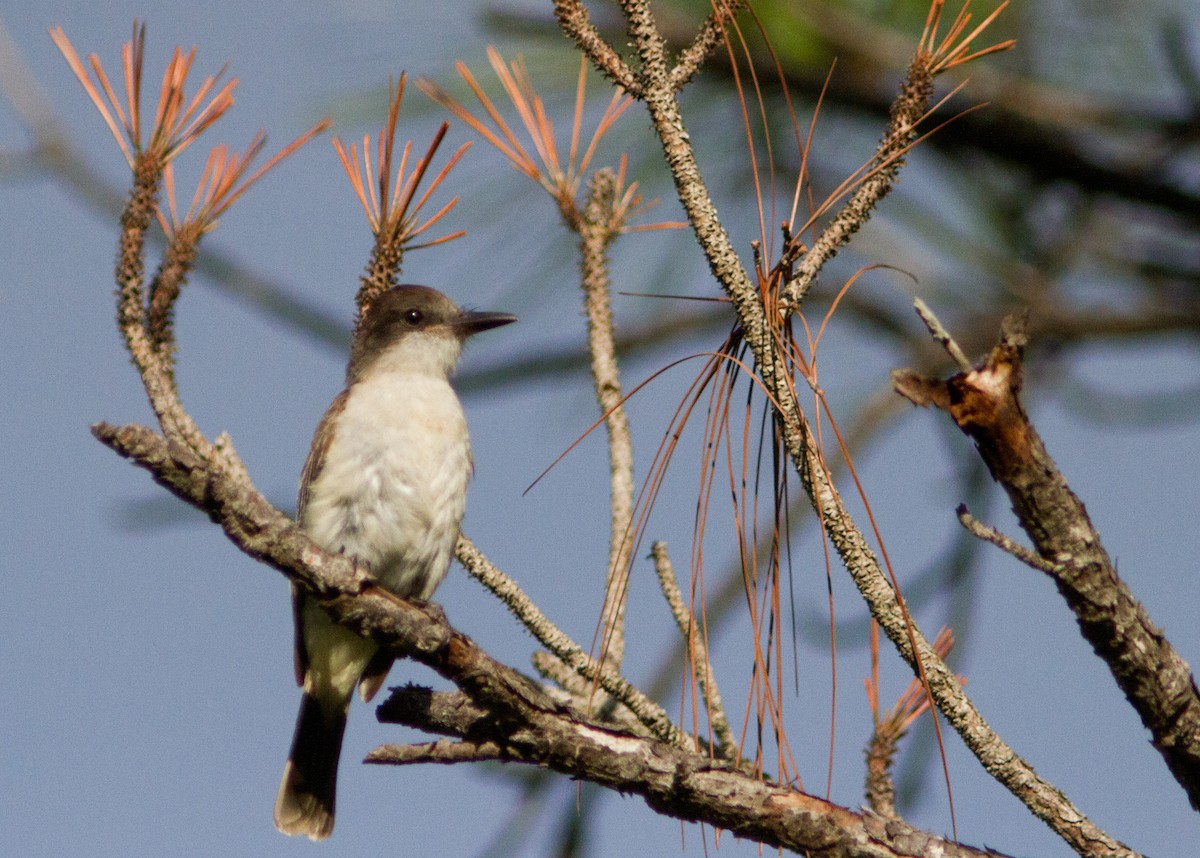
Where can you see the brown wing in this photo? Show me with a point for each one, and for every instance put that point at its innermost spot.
(312, 469)
(316, 454)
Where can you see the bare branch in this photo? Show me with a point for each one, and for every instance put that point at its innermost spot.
(985, 404)
(940, 334)
(762, 335)
(989, 534)
(710, 35)
(598, 228)
(697, 652)
(555, 640)
(574, 20)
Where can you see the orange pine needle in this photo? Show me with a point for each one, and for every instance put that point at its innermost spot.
(560, 177)
(175, 125)
(224, 181)
(387, 195)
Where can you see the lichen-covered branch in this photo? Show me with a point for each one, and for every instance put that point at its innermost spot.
(659, 96)
(574, 19)
(697, 652)
(671, 780)
(908, 109)
(710, 34)
(570, 653)
(598, 228)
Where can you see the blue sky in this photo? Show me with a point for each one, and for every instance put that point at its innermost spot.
(146, 690)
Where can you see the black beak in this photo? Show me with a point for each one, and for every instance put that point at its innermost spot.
(472, 322)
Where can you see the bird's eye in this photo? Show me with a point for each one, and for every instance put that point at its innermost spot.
(413, 316)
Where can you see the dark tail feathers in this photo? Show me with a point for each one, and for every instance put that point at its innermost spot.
(306, 796)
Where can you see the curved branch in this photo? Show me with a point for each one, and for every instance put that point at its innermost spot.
(528, 724)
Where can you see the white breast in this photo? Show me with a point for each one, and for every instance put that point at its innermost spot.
(392, 489)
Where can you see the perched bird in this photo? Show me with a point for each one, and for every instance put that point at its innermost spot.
(385, 483)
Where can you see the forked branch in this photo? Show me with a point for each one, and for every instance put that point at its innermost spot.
(985, 403)
(762, 334)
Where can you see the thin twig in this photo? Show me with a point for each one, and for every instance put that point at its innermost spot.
(939, 333)
(1005, 543)
(998, 758)
(697, 651)
(710, 35)
(575, 21)
(909, 107)
(555, 640)
(597, 231)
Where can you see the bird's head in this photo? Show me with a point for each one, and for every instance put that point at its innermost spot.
(415, 329)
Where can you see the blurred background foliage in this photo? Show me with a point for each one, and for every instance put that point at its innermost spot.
(1073, 193)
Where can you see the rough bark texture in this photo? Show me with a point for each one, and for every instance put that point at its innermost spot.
(985, 403)
(672, 781)
(519, 720)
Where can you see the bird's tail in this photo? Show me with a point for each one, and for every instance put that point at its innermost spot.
(306, 796)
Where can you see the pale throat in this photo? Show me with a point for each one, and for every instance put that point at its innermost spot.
(432, 353)
(392, 489)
